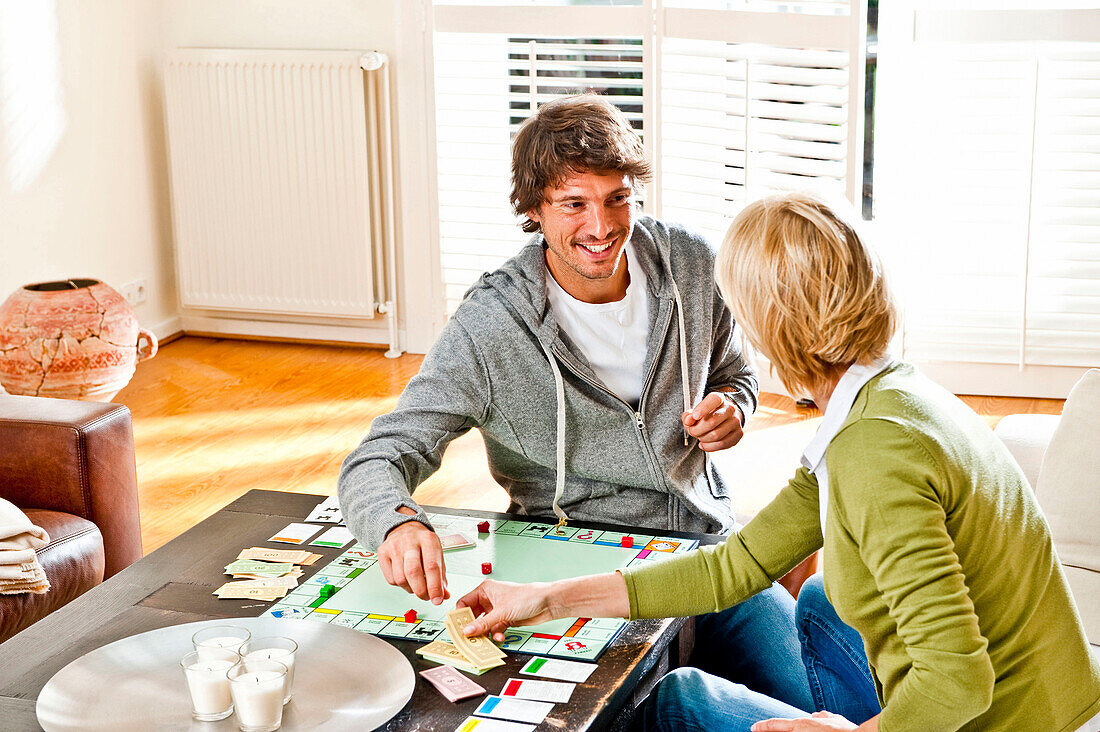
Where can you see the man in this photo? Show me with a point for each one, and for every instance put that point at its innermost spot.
(600, 366)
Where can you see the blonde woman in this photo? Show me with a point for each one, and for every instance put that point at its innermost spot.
(935, 550)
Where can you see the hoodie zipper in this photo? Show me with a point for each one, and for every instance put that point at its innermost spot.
(639, 421)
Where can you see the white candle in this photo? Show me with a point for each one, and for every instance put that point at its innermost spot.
(284, 656)
(209, 687)
(257, 688)
(208, 683)
(226, 642)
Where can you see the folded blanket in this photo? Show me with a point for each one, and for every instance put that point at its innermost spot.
(19, 568)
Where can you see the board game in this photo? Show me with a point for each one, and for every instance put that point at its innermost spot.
(518, 551)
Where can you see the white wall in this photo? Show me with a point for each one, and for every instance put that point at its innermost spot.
(394, 27)
(98, 206)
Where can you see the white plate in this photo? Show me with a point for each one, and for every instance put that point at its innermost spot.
(343, 679)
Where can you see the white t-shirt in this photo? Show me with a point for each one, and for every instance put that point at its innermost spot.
(611, 335)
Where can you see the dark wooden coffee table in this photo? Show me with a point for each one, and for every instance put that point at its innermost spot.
(173, 585)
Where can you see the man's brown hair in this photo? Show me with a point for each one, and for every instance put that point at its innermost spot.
(584, 133)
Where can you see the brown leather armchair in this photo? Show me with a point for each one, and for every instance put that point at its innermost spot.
(70, 467)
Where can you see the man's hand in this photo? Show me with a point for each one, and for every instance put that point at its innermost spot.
(716, 422)
(499, 605)
(817, 722)
(411, 558)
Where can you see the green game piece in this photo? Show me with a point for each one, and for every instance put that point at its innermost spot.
(328, 591)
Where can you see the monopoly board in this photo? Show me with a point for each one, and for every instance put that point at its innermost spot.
(519, 551)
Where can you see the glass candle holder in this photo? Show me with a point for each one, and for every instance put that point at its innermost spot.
(273, 648)
(257, 688)
(208, 683)
(229, 637)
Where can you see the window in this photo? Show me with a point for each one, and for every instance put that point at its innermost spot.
(988, 192)
(732, 99)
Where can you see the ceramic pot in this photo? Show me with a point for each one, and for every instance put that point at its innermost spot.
(72, 339)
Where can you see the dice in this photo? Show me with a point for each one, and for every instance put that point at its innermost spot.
(486, 567)
(626, 542)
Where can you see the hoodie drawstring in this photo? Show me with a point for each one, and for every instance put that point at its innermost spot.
(559, 477)
(683, 353)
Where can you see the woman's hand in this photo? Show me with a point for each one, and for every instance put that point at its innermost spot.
(816, 722)
(499, 605)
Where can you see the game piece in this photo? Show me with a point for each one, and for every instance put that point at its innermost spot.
(555, 692)
(328, 591)
(483, 527)
(627, 542)
(451, 684)
(519, 710)
(486, 567)
(336, 537)
(481, 724)
(410, 616)
(295, 534)
(553, 668)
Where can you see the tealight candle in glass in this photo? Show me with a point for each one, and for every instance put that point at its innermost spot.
(230, 637)
(273, 648)
(258, 688)
(208, 682)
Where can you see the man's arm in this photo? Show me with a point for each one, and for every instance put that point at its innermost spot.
(443, 401)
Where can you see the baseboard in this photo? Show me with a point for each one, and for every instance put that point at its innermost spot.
(373, 335)
(168, 330)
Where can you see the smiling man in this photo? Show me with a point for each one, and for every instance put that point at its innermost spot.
(601, 367)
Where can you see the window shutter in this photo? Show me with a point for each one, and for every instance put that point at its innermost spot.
(987, 173)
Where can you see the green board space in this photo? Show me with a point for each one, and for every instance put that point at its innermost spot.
(520, 552)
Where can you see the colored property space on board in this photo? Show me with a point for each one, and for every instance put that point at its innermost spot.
(514, 551)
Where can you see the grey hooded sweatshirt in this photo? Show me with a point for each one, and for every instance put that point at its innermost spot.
(502, 365)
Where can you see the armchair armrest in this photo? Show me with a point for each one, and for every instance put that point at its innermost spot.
(75, 457)
(1027, 437)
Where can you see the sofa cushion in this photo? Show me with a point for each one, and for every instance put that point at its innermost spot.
(1069, 492)
(73, 562)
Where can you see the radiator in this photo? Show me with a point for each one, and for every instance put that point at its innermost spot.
(281, 184)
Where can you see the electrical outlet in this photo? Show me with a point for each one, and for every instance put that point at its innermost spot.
(135, 292)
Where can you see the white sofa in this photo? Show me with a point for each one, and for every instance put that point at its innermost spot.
(1061, 458)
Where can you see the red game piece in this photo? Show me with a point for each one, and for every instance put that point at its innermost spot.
(627, 542)
(486, 567)
(410, 616)
(483, 527)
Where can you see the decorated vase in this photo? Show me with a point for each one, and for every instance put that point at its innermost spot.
(72, 339)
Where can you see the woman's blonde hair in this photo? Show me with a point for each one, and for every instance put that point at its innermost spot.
(807, 290)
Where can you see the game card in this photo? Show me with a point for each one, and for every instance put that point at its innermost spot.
(519, 710)
(337, 536)
(451, 684)
(454, 541)
(555, 692)
(480, 724)
(295, 534)
(327, 512)
(553, 668)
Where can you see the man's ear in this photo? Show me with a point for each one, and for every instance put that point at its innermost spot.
(533, 214)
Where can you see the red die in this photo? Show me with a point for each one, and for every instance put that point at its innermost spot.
(486, 567)
(483, 527)
(410, 616)
(627, 542)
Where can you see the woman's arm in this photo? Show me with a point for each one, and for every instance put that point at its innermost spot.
(504, 604)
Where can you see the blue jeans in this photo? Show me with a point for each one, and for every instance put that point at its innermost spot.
(835, 667)
(832, 652)
(755, 643)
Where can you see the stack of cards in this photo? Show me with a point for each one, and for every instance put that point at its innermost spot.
(268, 574)
(451, 684)
(299, 556)
(474, 655)
(525, 702)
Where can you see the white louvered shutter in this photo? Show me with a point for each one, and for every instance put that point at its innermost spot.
(988, 195)
(752, 97)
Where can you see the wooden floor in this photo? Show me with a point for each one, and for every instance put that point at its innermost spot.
(214, 418)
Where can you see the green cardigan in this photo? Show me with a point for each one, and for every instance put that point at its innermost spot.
(937, 554)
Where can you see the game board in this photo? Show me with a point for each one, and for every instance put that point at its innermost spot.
(519, 551)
